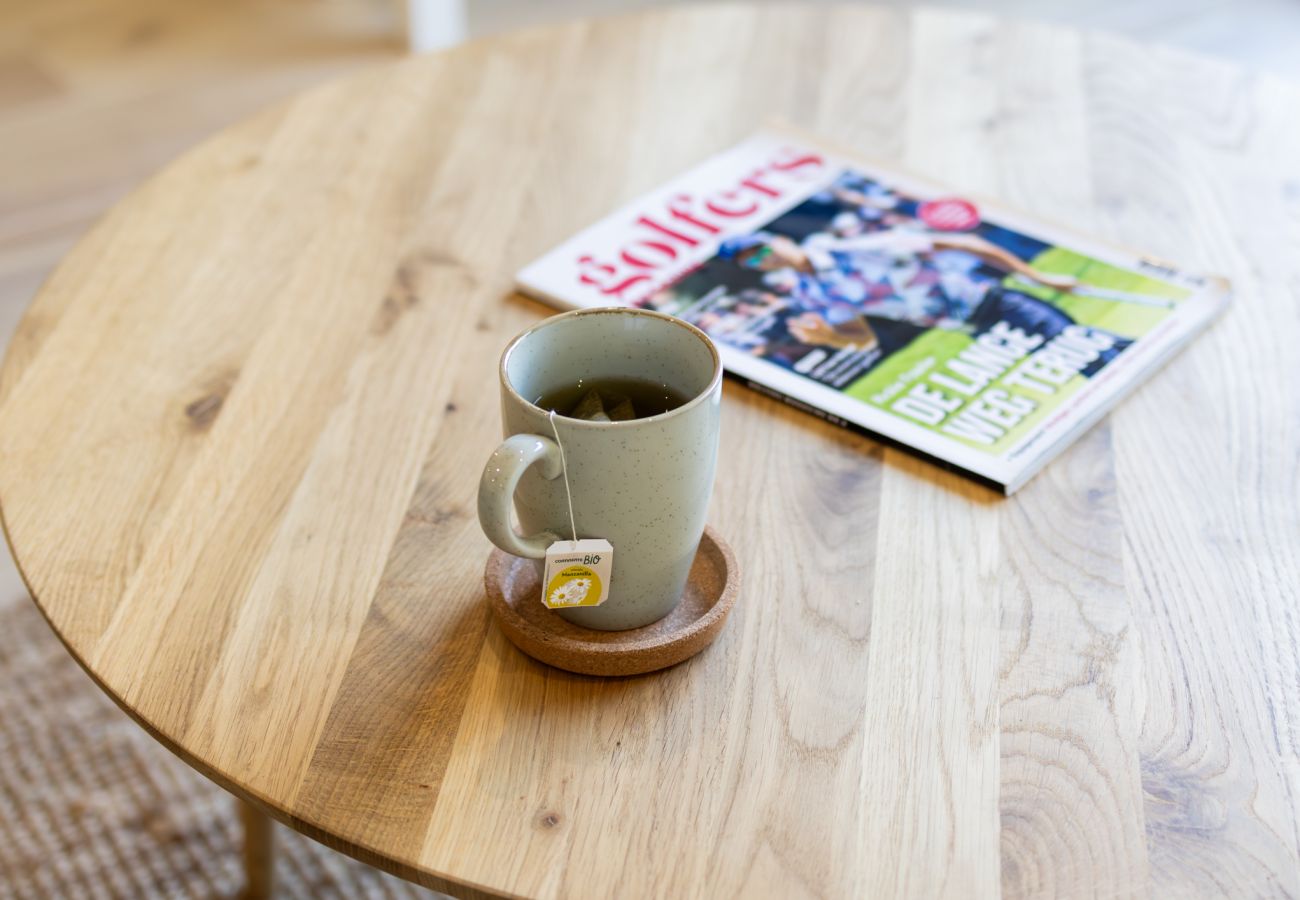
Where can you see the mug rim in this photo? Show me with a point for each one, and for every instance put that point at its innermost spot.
(569, 421)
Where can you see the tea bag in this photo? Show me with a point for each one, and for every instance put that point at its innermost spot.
(622, 410)
(598, 406)
(591, 407)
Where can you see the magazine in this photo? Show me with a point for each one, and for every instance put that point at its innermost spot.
(959, 330)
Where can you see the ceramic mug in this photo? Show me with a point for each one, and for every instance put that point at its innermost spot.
(641, 484)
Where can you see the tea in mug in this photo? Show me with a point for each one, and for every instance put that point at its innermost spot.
(612, 399)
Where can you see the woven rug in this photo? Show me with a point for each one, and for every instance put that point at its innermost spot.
(91, 806)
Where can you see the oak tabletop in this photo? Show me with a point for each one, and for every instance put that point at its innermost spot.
(241, 429)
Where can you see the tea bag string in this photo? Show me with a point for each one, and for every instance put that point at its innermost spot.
(564, 468)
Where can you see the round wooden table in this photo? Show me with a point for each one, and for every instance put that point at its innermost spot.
(241, 430)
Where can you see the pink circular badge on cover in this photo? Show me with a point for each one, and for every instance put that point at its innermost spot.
(949, 214)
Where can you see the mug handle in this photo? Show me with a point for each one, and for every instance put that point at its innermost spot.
(496, 492)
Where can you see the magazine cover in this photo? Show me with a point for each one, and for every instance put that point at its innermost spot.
(958, 330)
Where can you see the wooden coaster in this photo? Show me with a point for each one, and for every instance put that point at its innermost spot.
(514, 593)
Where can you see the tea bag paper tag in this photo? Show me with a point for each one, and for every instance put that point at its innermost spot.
(577, 573)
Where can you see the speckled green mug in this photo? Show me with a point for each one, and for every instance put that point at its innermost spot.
(643, 484)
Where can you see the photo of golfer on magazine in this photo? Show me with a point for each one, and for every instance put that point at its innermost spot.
(904, 311)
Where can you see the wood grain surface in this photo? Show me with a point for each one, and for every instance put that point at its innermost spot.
(242, 425)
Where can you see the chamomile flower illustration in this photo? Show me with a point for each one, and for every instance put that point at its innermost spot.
(571, 593)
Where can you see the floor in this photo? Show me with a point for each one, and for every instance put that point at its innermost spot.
(1264, 34)
(96, 94)
(92, 807)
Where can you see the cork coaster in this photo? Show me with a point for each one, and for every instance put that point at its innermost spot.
(514, 593)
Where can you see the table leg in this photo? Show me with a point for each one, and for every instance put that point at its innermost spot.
(434, 24)
(259, 852)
